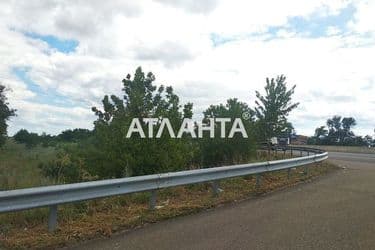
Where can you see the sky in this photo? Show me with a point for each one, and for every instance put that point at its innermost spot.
(59, 58)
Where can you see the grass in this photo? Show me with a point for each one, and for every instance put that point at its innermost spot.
(345, 149)
(103, 217)
(19, 166)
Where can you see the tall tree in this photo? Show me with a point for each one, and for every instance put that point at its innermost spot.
(347, 124)
(334, 124)
(273, 108)
(218, 151)
(5, 114)
(321, 131)
(340, 128)
(115, 154)
(334, 128)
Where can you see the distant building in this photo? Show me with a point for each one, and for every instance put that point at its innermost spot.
(300, 140)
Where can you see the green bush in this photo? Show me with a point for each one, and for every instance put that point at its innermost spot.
(65, 168)
(220, 151)
(111, 154)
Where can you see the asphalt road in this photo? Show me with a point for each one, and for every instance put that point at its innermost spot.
(336, 211)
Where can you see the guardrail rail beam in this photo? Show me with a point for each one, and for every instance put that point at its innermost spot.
(52, 196)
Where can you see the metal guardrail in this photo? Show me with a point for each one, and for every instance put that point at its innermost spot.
(51, 196)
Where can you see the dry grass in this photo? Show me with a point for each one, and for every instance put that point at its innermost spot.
(101, 218)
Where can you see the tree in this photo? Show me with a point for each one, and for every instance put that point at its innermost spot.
(218, 151)
(339, 132)
(321, 132)
(29, 139)
(112, 154)
(334, 128)
(5, 114)
(347, 124)
(340, 129)
(334, 124)
(273, 108)
(74, 135)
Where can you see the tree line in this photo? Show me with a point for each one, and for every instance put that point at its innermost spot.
(31, 139)
(338, 131)
(105, 152)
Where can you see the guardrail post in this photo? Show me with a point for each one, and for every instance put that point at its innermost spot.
(215, 188)
(52, 218)
(300, 152)
(258, 180)
(306, 170)
(291, 152)
(153, 200)
(11, 201)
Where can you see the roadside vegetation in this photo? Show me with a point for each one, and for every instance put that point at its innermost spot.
(107, 152)
(5, 114)
(104, 217)
(75, 155)
(19, 165)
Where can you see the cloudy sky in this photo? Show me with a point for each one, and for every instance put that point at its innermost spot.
(60, 57)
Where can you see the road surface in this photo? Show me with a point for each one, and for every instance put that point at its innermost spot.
(336, 211)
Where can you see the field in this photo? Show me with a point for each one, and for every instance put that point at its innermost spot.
(19, 166)
(103, 217)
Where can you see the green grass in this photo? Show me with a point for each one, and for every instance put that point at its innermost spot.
(102, 217)
(19, 166)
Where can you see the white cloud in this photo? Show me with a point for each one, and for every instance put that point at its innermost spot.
(364, 17)
(67, 19)
(192, 6)
(332, 30)
(42, 118)
(170, 53)
(173, 40)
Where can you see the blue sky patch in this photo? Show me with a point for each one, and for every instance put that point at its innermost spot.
(49, 97)
(317, 25)
(314, 26)
(218, 40)
(64, 46)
